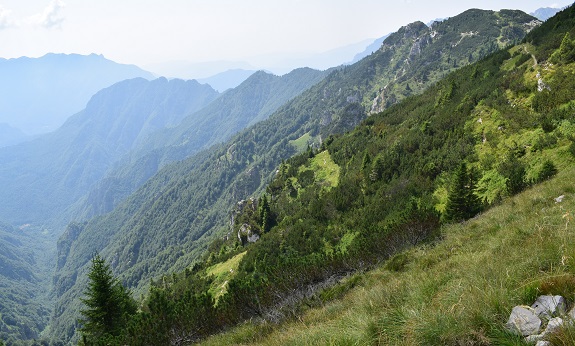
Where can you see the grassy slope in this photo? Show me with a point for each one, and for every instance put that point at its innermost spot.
(457, 291)
(222, 273)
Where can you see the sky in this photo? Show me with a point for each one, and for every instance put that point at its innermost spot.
(145, 32)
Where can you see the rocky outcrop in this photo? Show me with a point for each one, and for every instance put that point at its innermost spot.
(245, 232)
(541, 85)
(548, 311)
(247, 235)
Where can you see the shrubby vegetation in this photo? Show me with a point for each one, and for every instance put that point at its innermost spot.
(480, 135)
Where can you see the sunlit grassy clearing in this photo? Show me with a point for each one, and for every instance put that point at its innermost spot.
(301, 143)
(222, 273)
(325, 169)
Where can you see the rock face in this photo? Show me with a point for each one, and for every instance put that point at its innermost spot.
(245, 234)
(524, 320)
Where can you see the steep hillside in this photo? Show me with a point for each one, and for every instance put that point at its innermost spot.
(24, 270)
(457, 291)
(252, 101)
(435, 51)
(59, 84)
(165, 226)
(479, 137)
(41, 178)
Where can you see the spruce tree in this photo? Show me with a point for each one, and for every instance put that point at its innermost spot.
(265, 214)
(462, 203)
(108, 304)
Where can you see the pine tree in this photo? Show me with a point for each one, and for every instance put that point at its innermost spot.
(462, 203)
(547, 171)
(514, 171)
(265, 214)
(108, 304)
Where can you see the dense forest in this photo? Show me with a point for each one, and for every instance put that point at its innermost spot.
(345, 204)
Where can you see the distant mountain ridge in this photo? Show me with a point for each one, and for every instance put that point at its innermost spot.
(42, 177)
(59, 85)
(545, 13)
(374, 46)
(228, 79)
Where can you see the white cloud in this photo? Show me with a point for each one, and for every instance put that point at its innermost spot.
(6, 20)
(51, 17)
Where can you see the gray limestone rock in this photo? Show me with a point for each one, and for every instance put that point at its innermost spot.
(524, 320)
(549, 306)
(553, 325)
(533, 338)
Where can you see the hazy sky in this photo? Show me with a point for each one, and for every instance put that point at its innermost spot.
(152, 31)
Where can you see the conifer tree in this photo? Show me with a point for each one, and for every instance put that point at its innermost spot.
(108, 304)
(547, 170)
(264, 214)
(514, 171)
(462, 203)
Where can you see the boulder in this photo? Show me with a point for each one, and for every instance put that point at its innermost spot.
(524, 320)
(549, 306)
(543, 343)
(553, 325)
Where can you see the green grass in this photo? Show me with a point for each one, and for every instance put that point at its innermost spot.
(223, 272)
(301, 143)
(458, 291)
(325, 169)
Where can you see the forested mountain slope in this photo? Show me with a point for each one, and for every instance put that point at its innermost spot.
(252, 101)
(24, 271)
(166, 224)
(480, 136)
(43, 177)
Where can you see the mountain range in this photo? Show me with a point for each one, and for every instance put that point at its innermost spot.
(150, 171)
(190, 200)
(60, 86)
(42, 177)
(328, 192)
(545, 13)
